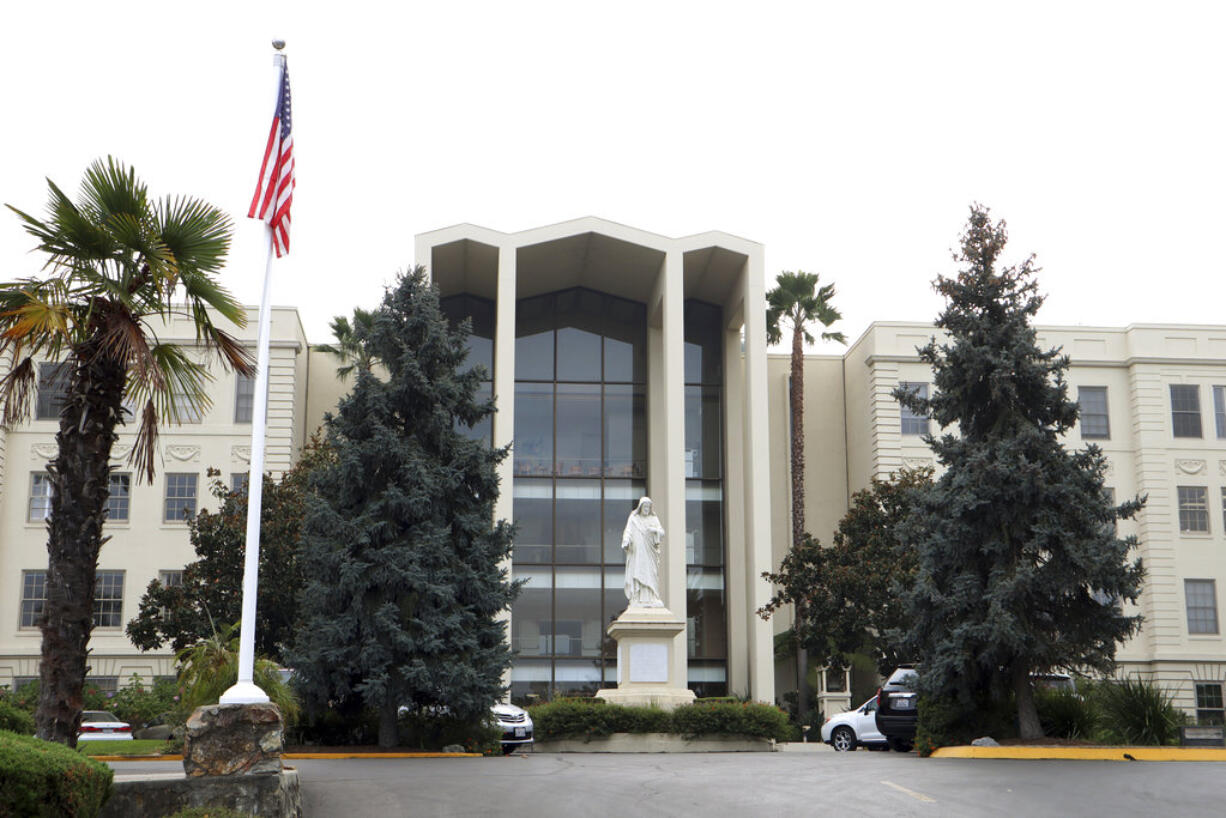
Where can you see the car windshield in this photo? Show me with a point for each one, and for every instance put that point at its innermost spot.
(98, 715)
(904, 677)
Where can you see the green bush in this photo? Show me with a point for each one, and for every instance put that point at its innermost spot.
(42, 778)
(26, 696)
(946, 722)
(1065, 714)
(1138, 711)
(138, 705)
(15, 720)
(426, 731)
(732, 719)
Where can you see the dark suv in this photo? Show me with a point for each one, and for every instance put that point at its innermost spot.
(896, 708)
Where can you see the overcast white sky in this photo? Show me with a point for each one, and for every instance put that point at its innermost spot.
(848, 138)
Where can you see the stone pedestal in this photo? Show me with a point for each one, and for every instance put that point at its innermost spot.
(646, 639)
(233, 739)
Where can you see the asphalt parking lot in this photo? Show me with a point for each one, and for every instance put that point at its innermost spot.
(751, 784)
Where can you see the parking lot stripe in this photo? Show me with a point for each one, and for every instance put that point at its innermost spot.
(916, 795)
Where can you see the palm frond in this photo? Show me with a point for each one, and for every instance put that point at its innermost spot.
(144, 450)
(17, 390)
(196, 234)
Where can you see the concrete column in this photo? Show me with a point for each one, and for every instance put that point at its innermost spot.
(504, 394)
(736, 582)
(757, 483)
(666, 434)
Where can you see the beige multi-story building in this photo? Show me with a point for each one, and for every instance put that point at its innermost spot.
(1153, 398)
(627, 363)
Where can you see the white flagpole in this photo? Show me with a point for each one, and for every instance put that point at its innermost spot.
(245, 690)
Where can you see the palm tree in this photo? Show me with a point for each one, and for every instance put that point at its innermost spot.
(116, 261)
(798, 301)
(350, 348)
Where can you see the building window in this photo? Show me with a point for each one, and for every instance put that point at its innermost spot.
(108, 599)
(913, 424)
(1209, 708)
(180, 497)
(1185, 410)
(106, 685)
(1219, 410)
(480, 312)
(52, 390)
(579, 462)
(244, 398)
(185, 410)
(1201, 598)
(238, 482)
(33, 597)
(41, 492)
(171, 579)
(1193, 509)
(1095, 424)
(118, 503)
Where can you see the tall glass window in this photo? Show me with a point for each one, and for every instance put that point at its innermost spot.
(706, 603)
(480, 311)
(580, 463)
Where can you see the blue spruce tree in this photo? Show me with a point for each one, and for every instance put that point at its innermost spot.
(401, 549)
(1019, 566)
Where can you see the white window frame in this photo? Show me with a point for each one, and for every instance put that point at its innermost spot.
(1193, 508)
(168, 498)
(909, 423)
(1185, 413)
(34, 605)
(108, 599)
(49, 400)
(244, 398)
(1211, 609)
(1104, 416)
(41, 491)
(114, 502)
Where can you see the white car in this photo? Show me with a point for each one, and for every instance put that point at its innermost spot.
(99, 725)
(847, 731)
(516, 726)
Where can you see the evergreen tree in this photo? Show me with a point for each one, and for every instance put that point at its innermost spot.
(401, 549)
(1019, 566)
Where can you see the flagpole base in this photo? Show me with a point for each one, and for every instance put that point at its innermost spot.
(244, 693)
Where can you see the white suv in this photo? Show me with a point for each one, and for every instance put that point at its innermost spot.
(846, 731)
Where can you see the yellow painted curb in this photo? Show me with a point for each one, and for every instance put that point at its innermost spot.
(1087, 753)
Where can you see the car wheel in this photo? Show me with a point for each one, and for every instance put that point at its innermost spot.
(843, 739)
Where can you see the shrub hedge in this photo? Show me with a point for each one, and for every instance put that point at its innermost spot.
(208, 812)
(593, 718)
(42, 778)
(15, 720)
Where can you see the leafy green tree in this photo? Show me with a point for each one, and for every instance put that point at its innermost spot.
(350, 349)
(211, 590)
(1019, 566)
(119, 264)
(851, 591)
(402, 553)
(797, 303)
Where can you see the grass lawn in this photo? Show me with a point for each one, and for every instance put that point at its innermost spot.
(136, 747)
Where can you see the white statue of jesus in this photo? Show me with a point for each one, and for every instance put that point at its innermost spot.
(641, 542)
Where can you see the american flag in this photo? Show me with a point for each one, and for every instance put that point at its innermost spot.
(275, 191)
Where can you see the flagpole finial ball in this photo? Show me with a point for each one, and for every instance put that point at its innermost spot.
(278, 44)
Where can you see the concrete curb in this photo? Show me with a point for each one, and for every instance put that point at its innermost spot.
(1087, 753)
(291, 756)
